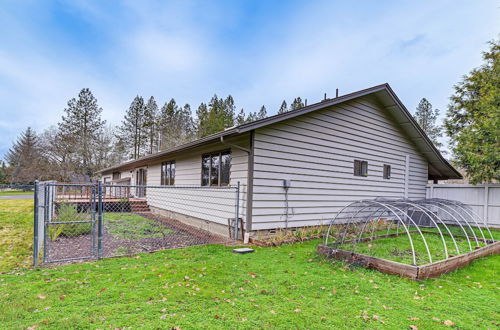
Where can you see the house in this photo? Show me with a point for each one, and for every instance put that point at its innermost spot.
(298, 168)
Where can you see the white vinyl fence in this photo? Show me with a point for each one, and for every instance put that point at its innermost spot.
(484, 199)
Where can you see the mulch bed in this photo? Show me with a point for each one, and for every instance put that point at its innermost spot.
(180, 235)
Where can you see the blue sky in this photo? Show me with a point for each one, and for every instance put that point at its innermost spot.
(261, 52)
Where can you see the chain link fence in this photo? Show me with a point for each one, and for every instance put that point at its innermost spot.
(91, 221)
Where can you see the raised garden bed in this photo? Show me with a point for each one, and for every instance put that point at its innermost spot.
(403, 267)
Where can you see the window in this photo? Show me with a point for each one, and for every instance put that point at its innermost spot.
(216, 168)
(168, 173)
(117, 175)
(387, 171)
(360, 168)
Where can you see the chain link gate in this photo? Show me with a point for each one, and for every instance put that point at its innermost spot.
(94, 220)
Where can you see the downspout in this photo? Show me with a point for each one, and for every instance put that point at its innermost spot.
(249, 197)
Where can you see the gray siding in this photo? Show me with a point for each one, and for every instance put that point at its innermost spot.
(316, 151)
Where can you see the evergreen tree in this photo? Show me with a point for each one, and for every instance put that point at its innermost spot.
(81, 126)
(297, 104)
(24, 158)
(426, 117)
(217, 116)
(283, 108)
(150, 125)
(240, 119)
(473, 119)
(187, 125)
(169, 124)
(3, 173)
(132, 131)
(262, 113)
(201, 119)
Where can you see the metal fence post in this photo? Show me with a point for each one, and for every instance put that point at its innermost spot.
(99, 220)
(45, 221)
(237, 211)
(35, 226)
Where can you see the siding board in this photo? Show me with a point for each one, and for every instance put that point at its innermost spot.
(316, 151)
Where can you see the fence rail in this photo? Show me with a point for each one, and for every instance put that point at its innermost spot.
(484, 199)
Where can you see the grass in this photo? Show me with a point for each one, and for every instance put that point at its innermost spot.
(211, 287)
(132, 226)
(283, 287)
(16, 233)
(15, 192)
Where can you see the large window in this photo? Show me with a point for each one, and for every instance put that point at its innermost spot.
(216, 168)
(360, 168)
(168, 173)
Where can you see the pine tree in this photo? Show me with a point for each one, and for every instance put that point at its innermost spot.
(296, 104)
(473, 119)
(176, 124)
(240, 119)
(150, 125)
(283, 108)
(426, 117)
(217, 116)
(24, 158)
(81, 126)
(169, 124)
(3, 173)
(262, 113)
(201, 120)
(132, 131)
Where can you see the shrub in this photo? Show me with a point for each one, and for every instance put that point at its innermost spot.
(68, 213)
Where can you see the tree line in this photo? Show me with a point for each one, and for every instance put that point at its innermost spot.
(82, 142)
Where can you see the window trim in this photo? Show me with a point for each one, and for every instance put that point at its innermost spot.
(361, 173)
(169, 180)
(210, 155)
(386, 173)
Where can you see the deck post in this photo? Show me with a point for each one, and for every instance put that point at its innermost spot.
(99, 220)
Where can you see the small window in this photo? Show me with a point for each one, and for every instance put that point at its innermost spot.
(168, 173)
(117, 175)
(387, 171)
(216, 169)
(360, 168)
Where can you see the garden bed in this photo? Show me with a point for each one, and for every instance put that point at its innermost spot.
(127, 234)
(388, 254)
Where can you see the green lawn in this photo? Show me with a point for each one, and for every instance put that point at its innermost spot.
(210, 287)
(16, 233)
(15, 192)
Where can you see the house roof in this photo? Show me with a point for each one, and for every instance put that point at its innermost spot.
(439, 167)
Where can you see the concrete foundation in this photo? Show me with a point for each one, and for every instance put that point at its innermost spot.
(212, 227)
